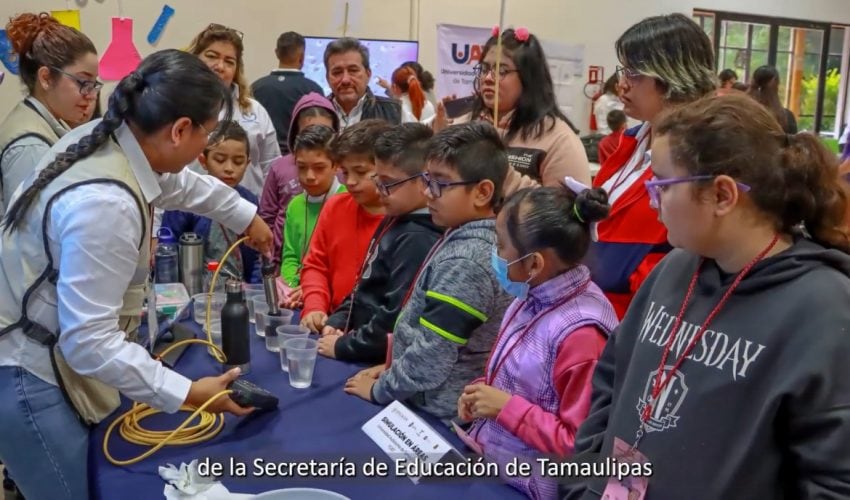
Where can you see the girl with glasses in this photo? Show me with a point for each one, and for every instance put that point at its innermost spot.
(58, 67)
(543, 146)
(729, 372)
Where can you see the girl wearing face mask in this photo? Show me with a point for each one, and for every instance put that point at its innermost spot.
(58, 66)
(536, 389)
(221, 49)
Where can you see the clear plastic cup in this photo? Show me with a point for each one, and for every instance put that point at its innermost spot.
(289, 332)
(200, 307)
(270, 324)
(251, 298)
(301, 357)
(252, 287)
(215, 333)
(260, 309)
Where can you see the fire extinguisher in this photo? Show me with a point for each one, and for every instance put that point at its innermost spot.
(593, 90)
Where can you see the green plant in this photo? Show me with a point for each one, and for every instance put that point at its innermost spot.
(808, 100)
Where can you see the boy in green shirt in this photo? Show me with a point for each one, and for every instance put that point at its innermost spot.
(317, 175)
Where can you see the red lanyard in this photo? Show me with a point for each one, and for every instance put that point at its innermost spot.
(373, 247)
(658, 384)
(501, 359)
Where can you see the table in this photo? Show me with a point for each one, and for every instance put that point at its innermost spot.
(321, 423)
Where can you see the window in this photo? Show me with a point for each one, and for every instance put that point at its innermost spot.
(808, 56)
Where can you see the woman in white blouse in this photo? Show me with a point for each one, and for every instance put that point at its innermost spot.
(74, 261)
(221, 49)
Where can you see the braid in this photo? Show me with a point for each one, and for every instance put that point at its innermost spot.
(120, 105)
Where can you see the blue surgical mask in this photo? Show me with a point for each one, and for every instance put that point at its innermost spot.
(518, 289)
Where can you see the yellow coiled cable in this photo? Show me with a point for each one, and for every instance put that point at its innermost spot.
(208, 424)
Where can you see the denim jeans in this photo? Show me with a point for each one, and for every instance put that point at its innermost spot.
(44, 444)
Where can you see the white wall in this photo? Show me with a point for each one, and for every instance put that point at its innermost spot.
(595, 24)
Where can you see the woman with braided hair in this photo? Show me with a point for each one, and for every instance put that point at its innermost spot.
(74, 261)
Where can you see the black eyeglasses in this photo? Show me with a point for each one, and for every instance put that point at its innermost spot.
(221, 27)
(86, 86)
(483, 69)
(629, 74)
(436, 187)
(384, 189)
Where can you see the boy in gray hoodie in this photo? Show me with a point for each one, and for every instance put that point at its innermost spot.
(451, 315)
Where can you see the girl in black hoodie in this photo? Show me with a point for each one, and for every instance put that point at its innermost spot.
(730, 373)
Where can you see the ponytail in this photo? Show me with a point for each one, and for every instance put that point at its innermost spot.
(814, 195)
(556, 218)
(150, 98)
(405, 78)
(793, 179)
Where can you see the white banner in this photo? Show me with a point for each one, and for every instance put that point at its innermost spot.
(458, 51)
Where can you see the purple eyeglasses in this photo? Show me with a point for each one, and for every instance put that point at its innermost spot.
(656, 185)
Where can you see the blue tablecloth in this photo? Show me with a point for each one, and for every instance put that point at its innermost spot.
(321, 423)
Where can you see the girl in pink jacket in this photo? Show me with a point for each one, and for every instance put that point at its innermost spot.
(536, 389)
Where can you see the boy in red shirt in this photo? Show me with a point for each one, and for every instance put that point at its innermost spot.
(345, 226)
(617, 123)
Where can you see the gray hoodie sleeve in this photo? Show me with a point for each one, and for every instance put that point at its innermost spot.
(455, 304)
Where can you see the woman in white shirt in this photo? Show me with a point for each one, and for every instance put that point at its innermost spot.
(415, 106)
(75, 240)
(221, 49)
(58, 67)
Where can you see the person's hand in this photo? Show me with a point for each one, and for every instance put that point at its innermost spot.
(260, 237)
(327, 345)
(484, 401)
(329, 330)
(383, 83)
(464, 412)
(203, 389)
(315, 321)
(373, 372)
(361, 386)
(441, 120)
(294, 299)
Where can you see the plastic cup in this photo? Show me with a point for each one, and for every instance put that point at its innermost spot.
(260, 310)
(251, 298)
(200, 307)
(270, 323)
(289, 332)
(301, 357)
(215, 333)
(252, 287)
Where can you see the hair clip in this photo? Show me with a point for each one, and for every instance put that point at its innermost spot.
(521, 34)
(495, 31)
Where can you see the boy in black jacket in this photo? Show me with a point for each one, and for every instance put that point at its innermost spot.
(400, 245)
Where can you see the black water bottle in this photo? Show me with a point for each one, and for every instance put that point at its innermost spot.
(236, 340)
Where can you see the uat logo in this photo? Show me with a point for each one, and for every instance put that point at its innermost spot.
(468, 54)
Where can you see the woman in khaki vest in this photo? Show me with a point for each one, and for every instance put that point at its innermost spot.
(76, 242)
(58, 67)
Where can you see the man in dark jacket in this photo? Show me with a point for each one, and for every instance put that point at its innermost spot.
(348, 74)
(279, 91)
